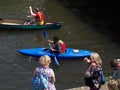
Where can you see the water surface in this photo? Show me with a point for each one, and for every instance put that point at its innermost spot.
(16, 70)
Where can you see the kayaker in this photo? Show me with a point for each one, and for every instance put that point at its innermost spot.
(58, 45)
(38, 15)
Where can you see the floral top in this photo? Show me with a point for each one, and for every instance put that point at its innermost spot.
(95, 73)
(47, 72)
(93, 77)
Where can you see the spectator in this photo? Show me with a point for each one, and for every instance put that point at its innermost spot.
(114, 82)
(45, 70)
(94, 71)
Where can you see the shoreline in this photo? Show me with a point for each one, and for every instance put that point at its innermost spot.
(103, 87)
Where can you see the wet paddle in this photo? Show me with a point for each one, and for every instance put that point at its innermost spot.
(46, 37)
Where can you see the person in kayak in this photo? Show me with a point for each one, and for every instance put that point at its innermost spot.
(58, 45)
(38, 15)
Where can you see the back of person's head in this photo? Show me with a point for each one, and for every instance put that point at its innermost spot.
(114, 63)
(44, 60)
(37, 9)
(96, 58)
(55, 38)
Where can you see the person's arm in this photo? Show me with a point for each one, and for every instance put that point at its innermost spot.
(50, 41)
(88, 74)
(87, 60)
(59, 47)
(53, 76)
(31, 12)
(35, 71)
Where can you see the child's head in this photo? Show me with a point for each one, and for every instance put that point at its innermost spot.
(115, 64)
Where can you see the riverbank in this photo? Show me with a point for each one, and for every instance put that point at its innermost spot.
(104, 87)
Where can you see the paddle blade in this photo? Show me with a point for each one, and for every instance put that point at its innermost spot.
(44, 34)
(56, 60)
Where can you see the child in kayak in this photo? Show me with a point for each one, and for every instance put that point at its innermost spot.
(58, 45)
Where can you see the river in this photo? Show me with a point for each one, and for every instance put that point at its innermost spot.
(16, 70)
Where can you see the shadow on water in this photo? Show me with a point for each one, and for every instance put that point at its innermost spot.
(103, 16)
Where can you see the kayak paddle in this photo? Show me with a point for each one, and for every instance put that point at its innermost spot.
(46, 37)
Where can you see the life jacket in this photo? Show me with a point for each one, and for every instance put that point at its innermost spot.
(39, 18)
(63, 45)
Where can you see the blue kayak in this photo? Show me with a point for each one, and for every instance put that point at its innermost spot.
(70, 53)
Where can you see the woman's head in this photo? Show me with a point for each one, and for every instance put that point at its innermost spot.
(44, 60)
(115, 63)
(96, 58)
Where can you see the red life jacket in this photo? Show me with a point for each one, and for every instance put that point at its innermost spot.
(39, 17)
(63, 46)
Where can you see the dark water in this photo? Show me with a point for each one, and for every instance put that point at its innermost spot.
(98, 14)
(16, 70)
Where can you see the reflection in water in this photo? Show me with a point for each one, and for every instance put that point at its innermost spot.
(16, 70)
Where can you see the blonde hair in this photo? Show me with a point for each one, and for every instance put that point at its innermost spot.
(44, 60)
(96, 58)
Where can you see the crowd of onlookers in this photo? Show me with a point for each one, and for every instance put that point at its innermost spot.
(95, 71)
(92, 75)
